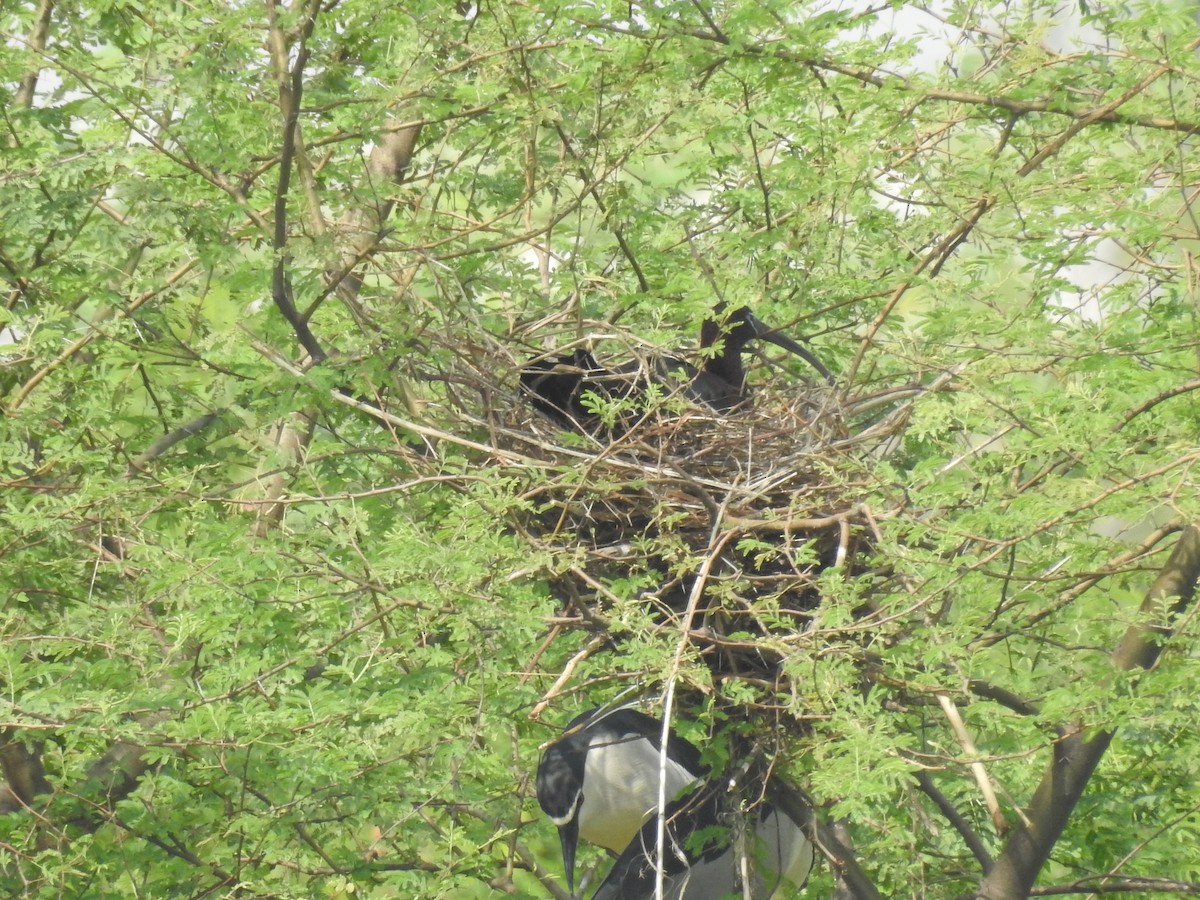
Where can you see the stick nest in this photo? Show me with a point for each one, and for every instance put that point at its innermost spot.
(718, 523)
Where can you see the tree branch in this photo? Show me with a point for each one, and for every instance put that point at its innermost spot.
(853, 882)
(1076, 755)
(291, 89)
(955, 818)
(23, 99)
(169, 440)
(899, 84)
(387, 165)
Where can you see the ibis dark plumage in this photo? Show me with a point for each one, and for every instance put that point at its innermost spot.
(720, 382)
(600, 780)
(557, 385)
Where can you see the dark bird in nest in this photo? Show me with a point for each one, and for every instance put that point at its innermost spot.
(557, 385)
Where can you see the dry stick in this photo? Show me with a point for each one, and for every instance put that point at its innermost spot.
(1076, 755)
(787, 525)
(977, 769)
(568, 670)
(714, 552)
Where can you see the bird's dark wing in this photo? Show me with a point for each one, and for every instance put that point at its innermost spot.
(698, 863)
(554, 385)
(558, 386)
(702, 861)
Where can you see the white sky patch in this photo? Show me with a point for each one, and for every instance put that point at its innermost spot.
(1108, 265)
(941, 46)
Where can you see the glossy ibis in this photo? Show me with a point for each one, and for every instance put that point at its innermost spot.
(557, 385)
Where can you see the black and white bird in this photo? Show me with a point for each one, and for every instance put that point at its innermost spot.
(558, 385)
(600, 782)
(713, 850)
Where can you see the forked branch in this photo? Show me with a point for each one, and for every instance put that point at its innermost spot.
(1076, 755)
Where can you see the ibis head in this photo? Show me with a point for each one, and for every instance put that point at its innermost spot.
(601, 780)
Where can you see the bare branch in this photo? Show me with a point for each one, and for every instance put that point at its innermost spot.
(959, 727)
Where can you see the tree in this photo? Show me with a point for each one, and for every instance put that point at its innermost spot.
(296, 582)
